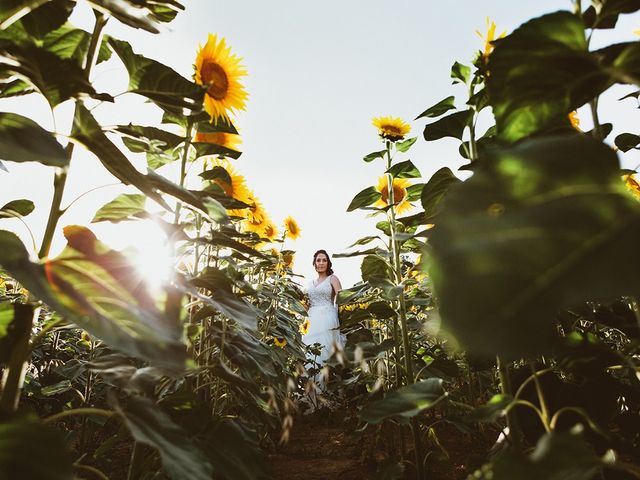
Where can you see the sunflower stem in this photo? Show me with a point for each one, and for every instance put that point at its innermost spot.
(402, 313)
(597, 130)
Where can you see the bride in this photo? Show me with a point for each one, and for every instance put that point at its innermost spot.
(324, 327)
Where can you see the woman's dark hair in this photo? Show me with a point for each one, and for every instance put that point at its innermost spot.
(329, 264)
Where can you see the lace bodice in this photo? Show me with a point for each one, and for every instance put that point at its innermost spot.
(320, 294)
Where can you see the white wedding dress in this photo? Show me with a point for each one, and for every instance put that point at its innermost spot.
(324, 327)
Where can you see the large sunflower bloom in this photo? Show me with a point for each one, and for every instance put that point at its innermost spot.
(218, 69)
(399, 194)
(292, 228)
(490, 37)
(237, 188)
(391, 128)
(227, 140)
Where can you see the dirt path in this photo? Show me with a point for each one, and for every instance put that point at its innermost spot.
(322, 447)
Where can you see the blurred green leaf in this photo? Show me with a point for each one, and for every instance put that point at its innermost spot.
(539, 227)
(435, 190)
(627, 141)
(15, 87)
(557, 456)
(452, 125)
(235, 452)
(56, 388)
(540, 73)
(491, 411)
(99, 290)
(56, 78)
(37, 17)
(123, 207)
(148, 424)
(404, 169)
(23, 140)
(372, 156)
(443, 106)
(22, 208)
(15, 325)
(205, 149)
(24, 439)
(460, 72)
(405, 402)
(159, 83)
(365, 198)
(608, 12)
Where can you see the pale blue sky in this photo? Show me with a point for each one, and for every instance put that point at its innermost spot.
(318, 73)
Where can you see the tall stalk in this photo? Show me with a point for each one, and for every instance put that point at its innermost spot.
(60, 178)
(402, 313)
(27, 315)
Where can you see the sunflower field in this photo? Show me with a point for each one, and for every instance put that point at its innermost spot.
(495, 331)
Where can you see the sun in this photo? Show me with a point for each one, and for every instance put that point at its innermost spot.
(151, 255)
(220, 70)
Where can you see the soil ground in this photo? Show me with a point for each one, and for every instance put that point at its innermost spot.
(326, 445)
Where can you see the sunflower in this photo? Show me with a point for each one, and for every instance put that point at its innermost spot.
(287, 258)
(220, 70)
(270, 231)
(227, 140)
(574, 120)
(237, 188)
(490, 37)
(280, 342)
(391, 128)
(304, 328)
(632, 184)
(399, 194)
(291, 227)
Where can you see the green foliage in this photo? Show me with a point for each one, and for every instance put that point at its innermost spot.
(405, 402)
(453, 125)
(366, 197)
(551, 213)
(23, 140)
(21, 208)
(24, 439)
(123, 207)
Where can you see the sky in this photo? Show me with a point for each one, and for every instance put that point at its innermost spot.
(318, 74)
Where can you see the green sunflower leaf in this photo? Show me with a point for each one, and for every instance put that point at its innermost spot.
(404, 169)
(608, 13)
(22, 208)
(58, 79)
(148, 424)
(71, 42)
(540, 73)
(23, 140)
(372, 156)
(36, 17)
(440, 108)
(99, 290)
(365, 198)
(405, 402)
(627, 141)
(159, 83)
(435, 190)
(406, 144)
(452, 125)
(540, 227)
(123, 207)
(460, 73)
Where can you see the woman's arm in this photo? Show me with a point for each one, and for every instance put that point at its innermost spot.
(335, 286)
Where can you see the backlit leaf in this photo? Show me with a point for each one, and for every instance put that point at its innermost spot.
(440, 108)
(540, 227)
(123, 207)
(365, 198)
(405, 402)
(23, 140)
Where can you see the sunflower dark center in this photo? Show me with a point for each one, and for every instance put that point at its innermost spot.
(215, 76)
